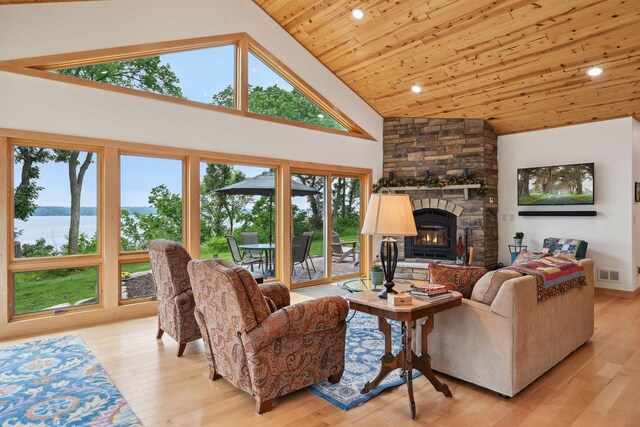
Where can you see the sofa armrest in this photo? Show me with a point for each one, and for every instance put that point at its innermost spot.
(519, 296)
(299, 319)
(514, 294)
(276, 292)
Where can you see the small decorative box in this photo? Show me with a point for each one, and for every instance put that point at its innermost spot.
(399, 299)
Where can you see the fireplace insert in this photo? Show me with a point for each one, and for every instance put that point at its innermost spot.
(436, 237)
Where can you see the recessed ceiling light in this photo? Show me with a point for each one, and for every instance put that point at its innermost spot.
(357, 13)
(416, 89)
(321, 116)
(594, 71)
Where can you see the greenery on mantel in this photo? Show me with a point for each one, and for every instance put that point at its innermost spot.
(431, 182)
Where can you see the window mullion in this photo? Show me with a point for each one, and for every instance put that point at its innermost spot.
(242, 75)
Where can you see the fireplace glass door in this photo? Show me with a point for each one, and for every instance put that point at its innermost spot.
(432, 235)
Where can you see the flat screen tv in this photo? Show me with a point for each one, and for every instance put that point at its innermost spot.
(556, 185)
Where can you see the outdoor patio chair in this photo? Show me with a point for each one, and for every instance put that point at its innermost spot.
(251, 238)
(310, 234)
(339, 252)
(258, 348)
(238, 257)
(173, 289)
(299, 248)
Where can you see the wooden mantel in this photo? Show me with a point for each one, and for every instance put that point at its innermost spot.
(464, 187)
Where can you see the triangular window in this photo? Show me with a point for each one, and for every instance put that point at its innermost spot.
(272, 95)
(227, 73)
(200, 75)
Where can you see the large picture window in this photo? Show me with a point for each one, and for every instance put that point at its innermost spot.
(54, 202)
(238, 216)
(151, 208)
(55, 290)
(150, 201)
(81, 213)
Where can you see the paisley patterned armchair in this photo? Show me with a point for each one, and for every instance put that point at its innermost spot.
(264, 352)
(175, 299)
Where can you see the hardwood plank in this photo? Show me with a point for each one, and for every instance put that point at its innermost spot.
(598, 384)
(481, 59)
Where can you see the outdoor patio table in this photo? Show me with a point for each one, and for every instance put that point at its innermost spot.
(268, 249)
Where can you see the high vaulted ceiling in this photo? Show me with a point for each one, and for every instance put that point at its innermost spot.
(519, 64)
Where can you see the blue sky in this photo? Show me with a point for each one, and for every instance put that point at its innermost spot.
(55, 184)
(205, 72)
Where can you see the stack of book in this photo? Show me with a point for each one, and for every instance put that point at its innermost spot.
(430, 291)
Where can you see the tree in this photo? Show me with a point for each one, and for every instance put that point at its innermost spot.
(257, 218)
(220, 211)
(27, 191)
(315, 200)
(277, 102)
(76, 178)
(139, 229)
(148, 74)
(523, 183)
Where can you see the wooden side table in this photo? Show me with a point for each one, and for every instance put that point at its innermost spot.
(406, 359)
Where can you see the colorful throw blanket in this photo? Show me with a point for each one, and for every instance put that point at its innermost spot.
(554, 275)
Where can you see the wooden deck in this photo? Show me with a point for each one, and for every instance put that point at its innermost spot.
(345, 267)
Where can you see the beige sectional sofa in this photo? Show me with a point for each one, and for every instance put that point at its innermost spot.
(505, 346)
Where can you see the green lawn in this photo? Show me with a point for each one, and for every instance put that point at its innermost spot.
(39, 290)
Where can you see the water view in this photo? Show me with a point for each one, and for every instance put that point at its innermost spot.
(54, 229)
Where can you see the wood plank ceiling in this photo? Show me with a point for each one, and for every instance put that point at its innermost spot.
(518, 64)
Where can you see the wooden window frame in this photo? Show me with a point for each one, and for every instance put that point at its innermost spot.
(128, 257)
(35, 264)
(109, 258)
(365, 241)
(41, 65)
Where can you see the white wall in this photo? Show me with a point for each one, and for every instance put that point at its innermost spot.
(635, 142)
(609, 145)
(41, 105)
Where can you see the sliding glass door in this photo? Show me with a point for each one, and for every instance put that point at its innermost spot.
(346, 240)
(309, 228)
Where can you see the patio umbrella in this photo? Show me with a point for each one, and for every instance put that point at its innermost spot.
(264, 185)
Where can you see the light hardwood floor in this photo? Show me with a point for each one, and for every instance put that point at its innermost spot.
(597, 385)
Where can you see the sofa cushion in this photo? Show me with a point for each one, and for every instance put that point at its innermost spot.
(456, 278)
(487, 287)
(526, 256)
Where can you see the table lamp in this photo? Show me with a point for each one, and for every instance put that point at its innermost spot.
(389, 215)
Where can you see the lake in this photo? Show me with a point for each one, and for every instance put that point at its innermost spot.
(53, 229)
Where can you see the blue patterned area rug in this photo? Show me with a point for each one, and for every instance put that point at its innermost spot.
(58, 382)
(365, 346)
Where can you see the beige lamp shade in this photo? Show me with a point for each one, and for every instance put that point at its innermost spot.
(389, 215)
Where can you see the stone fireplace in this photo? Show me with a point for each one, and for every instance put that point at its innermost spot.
(444, 147)
(436, 237)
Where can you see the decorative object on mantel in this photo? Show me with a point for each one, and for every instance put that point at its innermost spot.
(450, 182)
(389, 215)
(517, 238)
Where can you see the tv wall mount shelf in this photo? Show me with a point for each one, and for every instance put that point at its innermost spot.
(557, 213)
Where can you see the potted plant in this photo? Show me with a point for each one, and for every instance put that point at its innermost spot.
(377, 275)
(517, 239)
